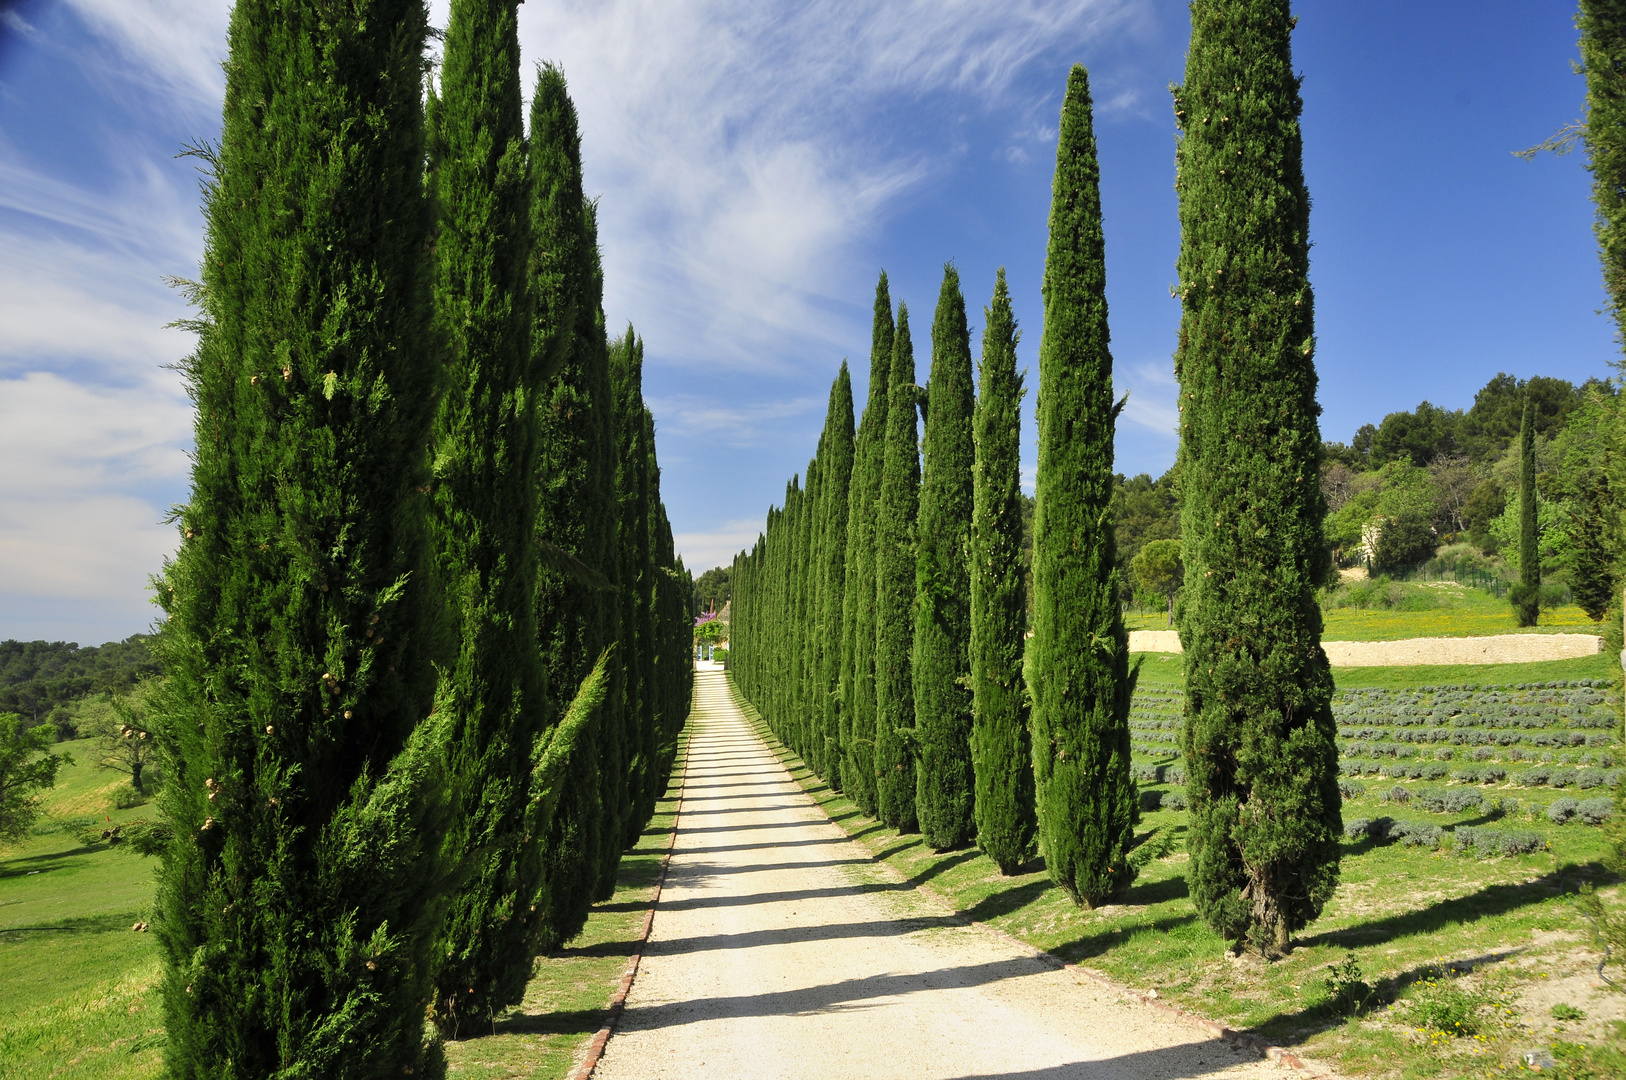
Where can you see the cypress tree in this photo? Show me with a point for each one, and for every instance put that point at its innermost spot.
(942, 658)
(833, 556)
(575, 602)
(299, 902)
(858, 606)
(632, 495)
(484, 509)
(1259, 730)
(896, 511)
(1526, 596)
(1603, 42)
(1081, 680)
(1002, 750)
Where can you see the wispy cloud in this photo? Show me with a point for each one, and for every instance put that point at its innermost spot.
(1154, 397)
(734, 424)
(703, 550)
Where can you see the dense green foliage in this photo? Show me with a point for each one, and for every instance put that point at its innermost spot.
(1603, 44)
(941, 664)
(483, 510)
(858, 608)
(1079, 671)
(299, 905)
(1526, 596)
(576, 612)
(26, 769)
(711, 589)
(836, 454)
(362, 762)
(37, 677)
(1001, 747)
(896, 508)
(1259, 727)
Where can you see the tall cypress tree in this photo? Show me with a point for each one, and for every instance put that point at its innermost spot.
(833, 556)
(298, 903)
(896, 511)
(858, 607)
(1259, 735)
(484, 508)
(1001, 747)
(1081, 679)
(1526, 596)
(632, 495)
(575, 602)
(942, 657)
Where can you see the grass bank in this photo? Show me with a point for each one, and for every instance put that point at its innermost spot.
(1427, 963)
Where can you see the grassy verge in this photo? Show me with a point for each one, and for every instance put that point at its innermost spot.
(78, 986)
(1446, 966)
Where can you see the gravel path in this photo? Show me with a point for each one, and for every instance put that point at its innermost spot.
(780, 949)
(1494, 649)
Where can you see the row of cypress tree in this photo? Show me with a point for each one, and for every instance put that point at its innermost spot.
(427, 637)
(947, 712)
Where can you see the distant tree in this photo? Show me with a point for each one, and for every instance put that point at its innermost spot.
(711, 589)
(942, 660)
(38, 676)
(1403, 540)
(896, 512)
(1496, 417)
(835, 506)
(1079, 672)
(1483, 506)
(1159, 570)
(26, 768)
(1002, 749)
(123, 728)
(1143, 510)
(1455, 479)
(1427, 433)
(1259, 738)
(1526, 595)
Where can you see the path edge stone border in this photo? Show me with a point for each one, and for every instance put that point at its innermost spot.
(1263, 1047)
(618, 1002)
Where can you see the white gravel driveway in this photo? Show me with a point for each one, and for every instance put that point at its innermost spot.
(779, 949)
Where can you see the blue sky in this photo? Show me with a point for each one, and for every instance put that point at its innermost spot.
(757, 163)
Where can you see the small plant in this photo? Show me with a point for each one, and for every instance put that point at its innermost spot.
(1594, 811)
(1566, 1011)
(1562, 810)
(129, 798)
(1348, 992)
(1439, 1005)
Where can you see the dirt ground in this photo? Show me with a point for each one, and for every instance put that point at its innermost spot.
(779, 949)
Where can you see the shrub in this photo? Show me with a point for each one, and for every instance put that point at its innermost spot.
(1351, 789)
(1594, 811)
(1348, 992)
(1398, 794)
(1561, 810)
(1447, 800)
(1588, 778)
(1488, 842)
(1535, 777)
(1357, 828)
(1435, 771)
(1415, 833)
(1174, 800)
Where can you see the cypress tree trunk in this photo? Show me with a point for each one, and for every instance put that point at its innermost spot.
(1002, 751)
(1526, 596)
(484, 510)
(833, 556)
(1259, 731)
(895, 589)
(1081, 681)
(575, 604)
(300, 901)
(942, 659)
(858, 607)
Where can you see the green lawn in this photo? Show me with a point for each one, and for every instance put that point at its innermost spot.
(78, 991)
(1496, 940)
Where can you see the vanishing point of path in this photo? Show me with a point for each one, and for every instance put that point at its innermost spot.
(780, 949)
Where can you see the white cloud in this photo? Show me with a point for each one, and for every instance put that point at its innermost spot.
(744, 151)
(77, 518)
(172, 47)
(1154, 397)
(734, 424)
(703, 550)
